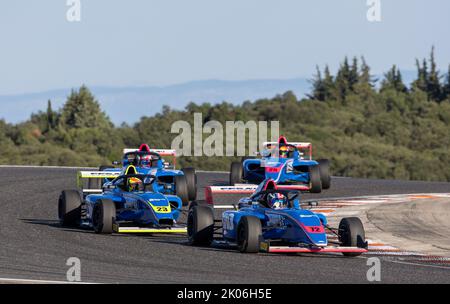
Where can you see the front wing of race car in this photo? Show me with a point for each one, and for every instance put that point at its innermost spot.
(131, 230)
(265, 246)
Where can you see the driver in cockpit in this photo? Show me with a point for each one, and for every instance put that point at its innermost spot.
(277, 201)
(135, 184)
(146, 160)
(284, 152)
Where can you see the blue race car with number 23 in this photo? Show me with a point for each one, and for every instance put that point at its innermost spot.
(182, 183)
(127, 204)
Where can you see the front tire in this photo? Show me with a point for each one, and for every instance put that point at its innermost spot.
(352, 234)
(104, 216)
(249, 234)
(191, 180)
(236, 171)
(315, 182)
(200, 225)
(69, 208)
(181, 189)
(325, 176)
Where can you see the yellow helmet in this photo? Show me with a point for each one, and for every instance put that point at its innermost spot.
(284, 150)
(134, 184)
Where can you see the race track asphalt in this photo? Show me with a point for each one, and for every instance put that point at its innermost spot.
(34, 246)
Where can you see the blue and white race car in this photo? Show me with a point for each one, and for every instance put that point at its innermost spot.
(289, 164)
(274, 220)
(182, 183)
(130, 203)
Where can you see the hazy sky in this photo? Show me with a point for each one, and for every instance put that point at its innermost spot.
(158, 42)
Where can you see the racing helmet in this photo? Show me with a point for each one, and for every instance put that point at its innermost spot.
(146, 160)
(284, 151)
(135, 184)
(277, 201)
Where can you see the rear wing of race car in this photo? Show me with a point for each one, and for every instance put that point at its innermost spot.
(302, 146)
(162, 152)
(247, 189)
(237, 189)
(92, 181)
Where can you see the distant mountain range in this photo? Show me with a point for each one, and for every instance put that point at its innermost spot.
(129, 104)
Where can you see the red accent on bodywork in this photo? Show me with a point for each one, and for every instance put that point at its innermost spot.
(294, 187)
(270, 184)
(273, 169)
(208, 196)
(282, 140)
(144, 148)
(314, 229)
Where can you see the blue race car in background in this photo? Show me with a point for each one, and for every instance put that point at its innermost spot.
(130, 203)
(182, 183)
(256, 225)
(289, 164)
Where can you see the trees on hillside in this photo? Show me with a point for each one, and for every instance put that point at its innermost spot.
(350, 79)
(81, 110)
(429, 79)
(393, 131)
(356, 78)
(446, 89)
(83, 126)
(393, 81)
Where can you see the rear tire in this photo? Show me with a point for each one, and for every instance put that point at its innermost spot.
(181, 189)
(315, 182)
(352, 234)
(325, 176)
(249, 233)
(95, 183)
(192, 204)
(104, 216)
(69, 208)
(200, 225)
(191, 180)
(236, 172)
(247, 157)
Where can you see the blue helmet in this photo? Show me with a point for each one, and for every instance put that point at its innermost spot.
(277, 201)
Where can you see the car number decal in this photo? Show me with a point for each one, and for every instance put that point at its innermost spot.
(161, 209)
(227, 221)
